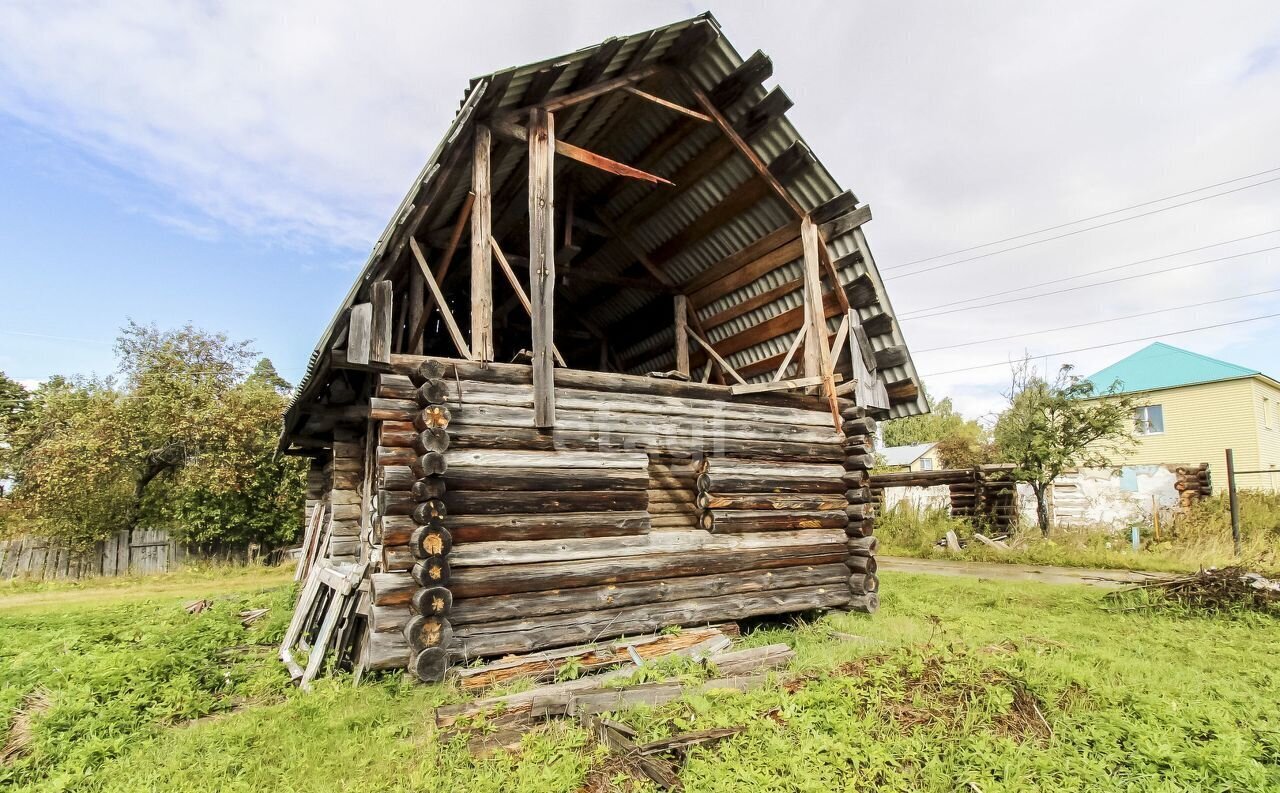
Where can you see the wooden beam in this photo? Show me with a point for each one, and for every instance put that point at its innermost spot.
(824, 255)
(581, 155)
(542, 266)
(481, 258)
(454, 332)
(814, 354)
(681, 304)
(753, 303)
(749, 253)
(791, 351)
(519, 289)
(380, 295)
(712, 352)
(743, 147)
(678, 108)
(359, 333)
(593, 91)
(442, 269)
(776, 385)
(413, 323)
(747, 273)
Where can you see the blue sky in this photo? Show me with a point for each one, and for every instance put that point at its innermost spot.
(82, 256)
(232, 165)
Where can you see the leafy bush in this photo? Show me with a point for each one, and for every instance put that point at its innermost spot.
(906, 529)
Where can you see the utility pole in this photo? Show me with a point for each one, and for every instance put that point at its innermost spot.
(1234, 500)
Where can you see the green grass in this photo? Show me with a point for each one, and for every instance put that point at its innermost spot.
(1009, 687)
(1200, 538)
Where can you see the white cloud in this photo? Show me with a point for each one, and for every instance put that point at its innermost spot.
(960, 123)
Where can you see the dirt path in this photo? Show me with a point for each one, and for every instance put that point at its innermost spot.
(1015, 572)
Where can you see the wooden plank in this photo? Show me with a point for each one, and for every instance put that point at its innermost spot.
(442, 269)
(413, 322)
(599, 89)
(381, 297)
(749, 253)
(814, 319)
(542, 268)
(716, 356)
(824, 256)
(360, 332)
(678, 108)
(743, 147)
(681, 307)
(778, 385)
(791, 351)
(579, 154)
(454, 332)
(519, 290)
(481, 263)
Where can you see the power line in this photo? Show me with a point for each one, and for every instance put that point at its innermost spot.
(1090, 286)
(1108, 344)
(1085, 220)
(1085, 275)
(1101, 321)
(1077, 231)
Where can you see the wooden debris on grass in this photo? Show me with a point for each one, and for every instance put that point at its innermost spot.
(999, 545)
(591, 692)
(197, 606)
(1208, 590)
(701, 642)
(251, 616)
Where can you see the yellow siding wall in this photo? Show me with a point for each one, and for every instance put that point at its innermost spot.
(918, 465)
(1201, 421)
(1266, 399)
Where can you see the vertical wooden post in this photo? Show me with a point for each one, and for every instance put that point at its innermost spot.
(481, 256)
(417, 305)
(542, 265)
(1234, 499)
(682, 334)
(815, 348)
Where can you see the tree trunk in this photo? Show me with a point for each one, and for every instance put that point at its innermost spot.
(1042, 506)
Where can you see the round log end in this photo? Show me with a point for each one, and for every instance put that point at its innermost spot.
(867, 604)
(430, 542)
(433, 571)
(430, 665)
(429, 464)
(431, 440)
(863, 583)
(430, 370)
(427, 489)
(423, 632)
(429, 513)
(432, 392)
(433, 601)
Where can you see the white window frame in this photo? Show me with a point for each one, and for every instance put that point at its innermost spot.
(926, 463)
(1266, 413)
(1141, 422)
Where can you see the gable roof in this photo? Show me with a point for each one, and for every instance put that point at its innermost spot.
(1161, 365)
(906, 455)
(673, 228)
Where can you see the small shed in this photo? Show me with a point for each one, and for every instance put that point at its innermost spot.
(614, 365)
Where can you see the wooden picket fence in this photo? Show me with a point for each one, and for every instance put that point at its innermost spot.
(137, 552)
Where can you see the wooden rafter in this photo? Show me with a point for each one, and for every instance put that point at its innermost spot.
(591, 91)
(762, 170)
(454, 332)
(581, 155)
(678, 108)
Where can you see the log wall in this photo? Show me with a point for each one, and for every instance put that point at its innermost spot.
(651, 503)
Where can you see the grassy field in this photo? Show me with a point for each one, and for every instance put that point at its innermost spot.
(957, 684)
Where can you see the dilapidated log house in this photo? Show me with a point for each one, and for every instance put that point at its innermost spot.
(615, 364)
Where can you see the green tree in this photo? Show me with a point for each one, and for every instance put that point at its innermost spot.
(15, 401)
(1050, 426)
(185, 440)
(962, 443)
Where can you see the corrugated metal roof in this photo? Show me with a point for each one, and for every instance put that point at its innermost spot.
(586, 123)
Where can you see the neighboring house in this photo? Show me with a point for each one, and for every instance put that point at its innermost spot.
(1194, 407)
(916, 457)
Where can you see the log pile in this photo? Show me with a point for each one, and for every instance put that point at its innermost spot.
(986, 495)
(1194, 484)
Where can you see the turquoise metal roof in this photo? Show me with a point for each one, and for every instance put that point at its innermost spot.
(1161, 365)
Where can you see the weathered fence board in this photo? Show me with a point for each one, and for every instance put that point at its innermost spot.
(140, 552)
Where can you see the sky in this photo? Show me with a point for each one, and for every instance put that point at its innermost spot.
(231, 165)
